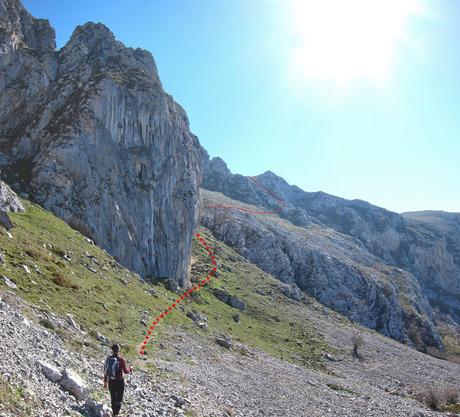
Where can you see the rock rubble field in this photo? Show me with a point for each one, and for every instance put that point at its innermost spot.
(198, 377)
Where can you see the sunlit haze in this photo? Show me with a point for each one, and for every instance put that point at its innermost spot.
(357, 98)
(341, 40)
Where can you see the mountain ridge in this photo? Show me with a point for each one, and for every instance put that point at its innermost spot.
(398, 241)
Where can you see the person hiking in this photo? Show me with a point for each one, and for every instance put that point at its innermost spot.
(114, 368)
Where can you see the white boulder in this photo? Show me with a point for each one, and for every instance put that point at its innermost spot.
(97, 409)
(50, 371)
(74, 384)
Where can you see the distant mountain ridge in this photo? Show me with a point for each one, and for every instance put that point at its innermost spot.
(424, 246)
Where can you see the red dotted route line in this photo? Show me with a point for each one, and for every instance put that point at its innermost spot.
(212, 272)
(270, 192)
(188, 293)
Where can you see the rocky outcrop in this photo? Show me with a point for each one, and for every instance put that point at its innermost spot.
(50, 371)
(333, 268)
(97, 409)
(9, 201)
(90, 134)
(292, 291)
(5, 220)
(426, 245)
(432, 246)
(231, 300)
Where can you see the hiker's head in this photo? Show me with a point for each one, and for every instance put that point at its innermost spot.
(115, 349)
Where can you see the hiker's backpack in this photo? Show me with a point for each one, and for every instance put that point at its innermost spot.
(112, 367)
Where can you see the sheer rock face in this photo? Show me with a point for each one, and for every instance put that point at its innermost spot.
(27, 68)
(9, 201)
(335, 269)
(100, 144)
(433, 254)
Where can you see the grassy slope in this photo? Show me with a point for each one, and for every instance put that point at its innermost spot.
(102, 303)
(270, 322)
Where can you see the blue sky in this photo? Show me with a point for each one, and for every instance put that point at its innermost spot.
(369, 111)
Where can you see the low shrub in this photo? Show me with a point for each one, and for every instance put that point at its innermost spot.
(450, 395)
(357, 342)
(431, 397)
(63, 281)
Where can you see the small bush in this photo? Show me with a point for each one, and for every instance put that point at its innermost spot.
(450, 395)
(36, 254)
(46, 322)
(431, 397)
(336, 387)
(59, 252)
(63, 281)
(357, 342)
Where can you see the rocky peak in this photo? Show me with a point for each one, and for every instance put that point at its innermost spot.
(93, 41)
(276, 184)
(20, 30)
(271, 176)
(218, 166)
(93, 51)
(91, 34)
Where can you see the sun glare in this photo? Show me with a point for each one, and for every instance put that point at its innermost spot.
(341, 40)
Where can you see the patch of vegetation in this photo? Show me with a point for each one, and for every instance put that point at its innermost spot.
(98, 301)
(452, 408)
(63, 281)
(58, 251)
(37, 254)
(357, 342)
(15, 400)
(451, 341)
(190, 413)
(336, 387)
(440, 399)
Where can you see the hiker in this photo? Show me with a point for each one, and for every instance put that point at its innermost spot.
(114, 368)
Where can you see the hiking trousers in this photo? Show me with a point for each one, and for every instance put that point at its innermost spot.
(117, 389)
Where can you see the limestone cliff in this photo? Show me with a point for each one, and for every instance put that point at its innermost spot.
(89, 133)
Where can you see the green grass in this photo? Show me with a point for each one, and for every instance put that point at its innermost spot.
(100, 302)
(273, 323)
(15, 400)
(452, 408)
(336, 387)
